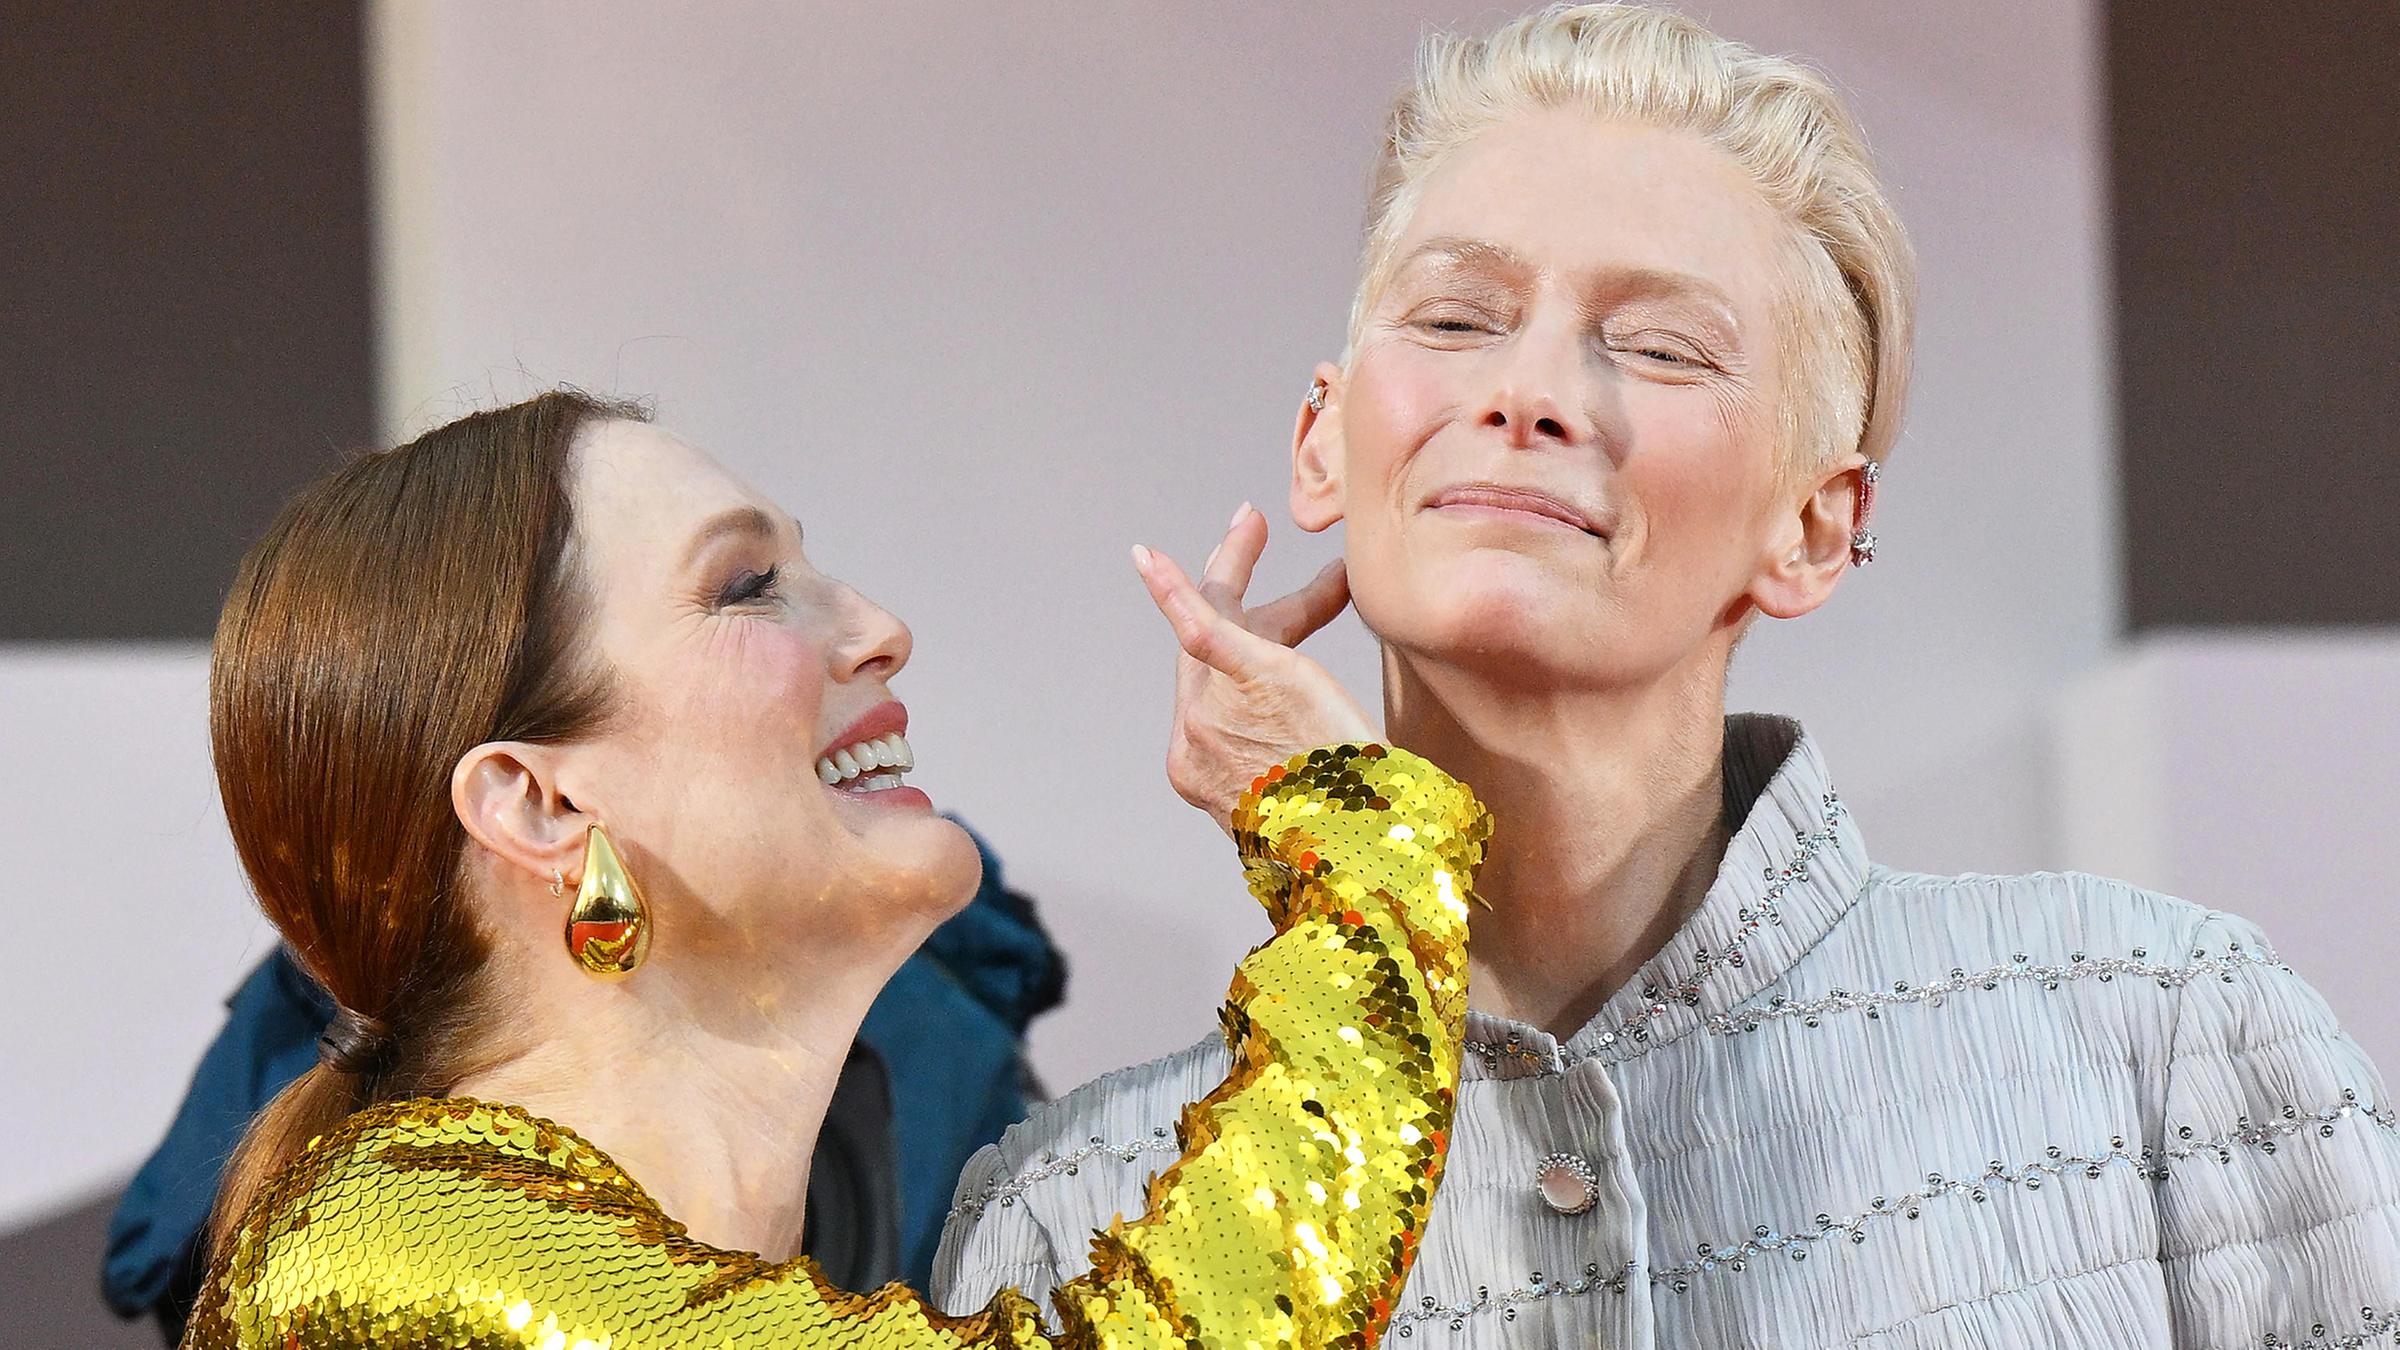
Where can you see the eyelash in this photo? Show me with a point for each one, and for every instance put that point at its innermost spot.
(1454, 326)
(1664, 354)
(1452, 320)
(1676, 357)
(748, 587)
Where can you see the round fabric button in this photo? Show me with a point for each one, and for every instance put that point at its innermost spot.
(1565, 1183)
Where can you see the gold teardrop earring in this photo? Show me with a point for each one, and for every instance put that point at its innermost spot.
(608, 928)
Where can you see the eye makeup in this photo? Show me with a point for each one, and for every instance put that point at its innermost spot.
(748, 586)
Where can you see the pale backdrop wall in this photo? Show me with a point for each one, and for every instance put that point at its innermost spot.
(986, 294)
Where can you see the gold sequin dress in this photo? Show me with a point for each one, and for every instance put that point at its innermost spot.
(1290, 1220)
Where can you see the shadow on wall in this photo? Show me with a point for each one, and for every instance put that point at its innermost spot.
(50, 1285)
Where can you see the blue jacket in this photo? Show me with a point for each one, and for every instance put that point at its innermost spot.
(948, 1031)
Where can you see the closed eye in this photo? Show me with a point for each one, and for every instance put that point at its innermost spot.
(1454, 318)
(1455, 328)
(749, 587)
(1674, 356)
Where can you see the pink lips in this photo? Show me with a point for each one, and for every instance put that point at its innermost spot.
(888, 718)
(1524, 501)
(884, 719)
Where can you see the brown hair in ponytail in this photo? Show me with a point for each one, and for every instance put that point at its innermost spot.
(400, 611)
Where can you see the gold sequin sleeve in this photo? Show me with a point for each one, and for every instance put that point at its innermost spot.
(1290, 1219)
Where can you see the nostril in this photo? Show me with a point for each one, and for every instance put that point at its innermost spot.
(1549, 426)
(1495, 418)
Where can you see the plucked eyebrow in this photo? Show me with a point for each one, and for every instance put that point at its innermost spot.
(1658, 283)
(1460, 251)
(1640, 283)
(740, 520)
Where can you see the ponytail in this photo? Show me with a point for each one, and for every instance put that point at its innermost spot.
(404, 609)
(308, 1106)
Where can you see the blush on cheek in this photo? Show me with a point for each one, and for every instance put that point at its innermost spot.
(791, 668)
(753, 674)
(1397, 397)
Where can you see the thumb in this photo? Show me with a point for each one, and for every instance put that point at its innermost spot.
(1289, 621)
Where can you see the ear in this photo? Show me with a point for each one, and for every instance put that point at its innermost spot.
(506, 794)
(1811, 546)
(1317, 456)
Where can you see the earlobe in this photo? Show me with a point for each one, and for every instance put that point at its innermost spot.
(1317, 452)
(1815, 549)
(506, 798)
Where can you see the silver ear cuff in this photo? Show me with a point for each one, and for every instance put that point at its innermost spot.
(1862, 539)
(1316, 396)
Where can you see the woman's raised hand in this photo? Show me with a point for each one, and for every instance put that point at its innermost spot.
(1245, 701)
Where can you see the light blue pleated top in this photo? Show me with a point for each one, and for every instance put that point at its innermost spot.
(1847, 1106)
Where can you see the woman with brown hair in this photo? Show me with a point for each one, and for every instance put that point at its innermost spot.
(466, 691)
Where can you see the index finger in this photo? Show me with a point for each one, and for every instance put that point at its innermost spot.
(1205, 633)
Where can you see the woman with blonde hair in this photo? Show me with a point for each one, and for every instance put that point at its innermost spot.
(583, 795)
(1628, 353)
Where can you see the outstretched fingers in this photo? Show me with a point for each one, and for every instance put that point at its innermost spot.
(1206, 633)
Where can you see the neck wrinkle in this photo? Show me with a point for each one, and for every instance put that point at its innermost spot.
(710, 1096)
(1610, 823)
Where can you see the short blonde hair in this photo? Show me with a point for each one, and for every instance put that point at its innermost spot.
(1845, 333)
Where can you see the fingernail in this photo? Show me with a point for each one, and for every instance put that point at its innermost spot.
(1238, 513)
(1141, 557)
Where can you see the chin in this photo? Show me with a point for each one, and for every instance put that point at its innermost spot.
(1487, 608)
(927, 864)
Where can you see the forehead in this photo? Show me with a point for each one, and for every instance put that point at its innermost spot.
(640, 489)
(1573, 193)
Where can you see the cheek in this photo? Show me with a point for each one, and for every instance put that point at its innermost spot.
(743, 688)
(1398, 396)
(1695, 473)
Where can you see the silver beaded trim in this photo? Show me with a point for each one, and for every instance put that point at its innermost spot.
(2374, 1326)
(1491, 1052)
(1429, 1309)
(2055, 1164)
(1005, 1192)
(2225, 965)
(1706, 961)
(2148, 1163)
(2021, 968)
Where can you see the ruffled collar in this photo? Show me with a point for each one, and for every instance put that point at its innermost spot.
(1791, 871)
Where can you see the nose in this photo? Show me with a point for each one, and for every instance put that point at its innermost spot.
(876, 645)
(1539, 396)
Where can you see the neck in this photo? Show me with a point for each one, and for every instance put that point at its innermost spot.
(1609, 811)
(708, 1095)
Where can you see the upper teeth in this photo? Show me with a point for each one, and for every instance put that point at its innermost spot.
(851, 761)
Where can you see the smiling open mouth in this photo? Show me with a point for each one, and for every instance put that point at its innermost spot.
(869, 766)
